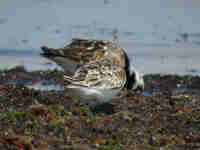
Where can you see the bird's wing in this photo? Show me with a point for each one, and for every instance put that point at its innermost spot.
(98, 75)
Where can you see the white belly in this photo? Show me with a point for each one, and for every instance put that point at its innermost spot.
(92, 95)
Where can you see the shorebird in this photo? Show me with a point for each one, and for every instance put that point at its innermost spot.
(95, 70)
(83, 52)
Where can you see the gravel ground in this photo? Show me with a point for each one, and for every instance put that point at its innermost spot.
(165, 116)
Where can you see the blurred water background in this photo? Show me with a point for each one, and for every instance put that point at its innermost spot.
(159, 36)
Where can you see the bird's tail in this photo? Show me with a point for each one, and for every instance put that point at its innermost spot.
(51, 51)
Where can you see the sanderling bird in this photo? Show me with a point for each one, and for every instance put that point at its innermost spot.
(96, 82)
(82, 51)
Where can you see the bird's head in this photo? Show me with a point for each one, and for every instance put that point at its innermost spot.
(135, 80)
